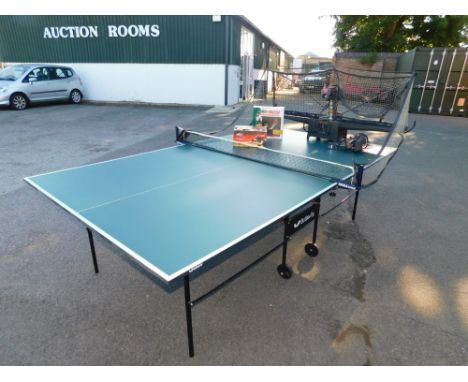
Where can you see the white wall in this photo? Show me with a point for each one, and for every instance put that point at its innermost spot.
(260, 74)
(233, 84)
(156, 83)
(270, 81)
(190, 84)
(297, 65)
(193, 84)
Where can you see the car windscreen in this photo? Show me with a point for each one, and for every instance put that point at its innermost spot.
(12, 73)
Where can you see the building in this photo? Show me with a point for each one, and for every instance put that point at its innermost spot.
(310, 61)
(204, 60)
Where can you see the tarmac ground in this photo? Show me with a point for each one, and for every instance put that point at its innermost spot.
(390, 288)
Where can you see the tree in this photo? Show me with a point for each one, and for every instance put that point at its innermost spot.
(399, 33)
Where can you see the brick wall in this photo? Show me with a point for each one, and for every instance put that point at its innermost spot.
(386, 62)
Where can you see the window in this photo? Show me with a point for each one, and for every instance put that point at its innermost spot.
(12, 73)
(68, 72)
(57, 73)
(60, 73)
(38, 74)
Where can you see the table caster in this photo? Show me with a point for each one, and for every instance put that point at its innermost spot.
(311, 249)
(284, 271)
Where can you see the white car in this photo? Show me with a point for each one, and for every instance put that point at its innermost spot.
(21, 85)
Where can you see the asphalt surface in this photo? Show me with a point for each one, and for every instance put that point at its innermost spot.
(390, 288)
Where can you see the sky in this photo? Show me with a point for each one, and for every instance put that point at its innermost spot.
(298, 33)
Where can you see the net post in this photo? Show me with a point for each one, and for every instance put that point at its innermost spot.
(180, 133)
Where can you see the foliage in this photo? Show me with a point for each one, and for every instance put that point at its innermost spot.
(399, 33)
(369, 59)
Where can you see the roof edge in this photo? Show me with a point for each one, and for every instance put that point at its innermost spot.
(257, 30)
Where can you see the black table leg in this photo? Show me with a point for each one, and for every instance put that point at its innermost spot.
(188, 314)
(316, 219)
(93, 251)
(359, 174)
(283, 270)
(310, 248)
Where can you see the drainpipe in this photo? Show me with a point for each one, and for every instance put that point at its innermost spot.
(227, 49)
(267, 67)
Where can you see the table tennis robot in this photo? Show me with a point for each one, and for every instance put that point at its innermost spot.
(333, 128)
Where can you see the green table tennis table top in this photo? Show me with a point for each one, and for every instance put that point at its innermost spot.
(173, 209)
(295, 142)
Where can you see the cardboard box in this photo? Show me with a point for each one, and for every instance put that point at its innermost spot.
(247, 136)
(271, 118)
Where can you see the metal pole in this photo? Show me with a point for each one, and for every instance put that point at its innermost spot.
(285, 242)
(227, 48)
(359, 174)
(310, 248)
(283, 270)
(93, 251)
(447, 79)
(188, 314)
(437, 80)
(459, 82)
(425, 80)
(266, 63)
(316, 218)
(274, 88)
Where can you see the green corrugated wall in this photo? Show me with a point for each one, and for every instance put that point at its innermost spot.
(405, 61)
(234, 44)
(260, 54)
(441, 80)
(182, 39)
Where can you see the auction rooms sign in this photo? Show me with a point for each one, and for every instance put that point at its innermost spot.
(88, 31)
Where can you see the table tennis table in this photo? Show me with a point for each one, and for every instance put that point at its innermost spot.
(179, 211)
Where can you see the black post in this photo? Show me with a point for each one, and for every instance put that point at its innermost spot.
(93, 252)
(188, 314)
(283, 270)
(285, 242)
(227, 49)
(316, 219)
(359, 174)
(274, 88)
(310, 248)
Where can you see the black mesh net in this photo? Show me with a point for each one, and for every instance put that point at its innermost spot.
(350, 100)
(310, 166)
(359, 94)
(300, 93)
(373, 94)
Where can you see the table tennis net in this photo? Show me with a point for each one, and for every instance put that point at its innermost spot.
(310, 166)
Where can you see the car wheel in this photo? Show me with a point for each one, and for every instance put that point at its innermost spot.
(75, 96)
(18, 101)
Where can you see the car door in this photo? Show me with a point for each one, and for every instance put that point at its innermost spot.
(58, 87)
(38, 80)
